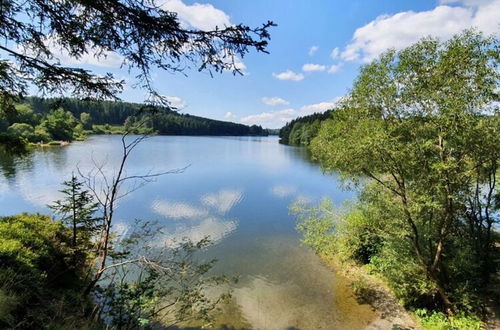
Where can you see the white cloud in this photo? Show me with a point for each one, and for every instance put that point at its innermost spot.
(403, 29)
(277, 119)
(176, 102)
(201, 16)
(469, 3)
(335, 53)
(274, 101)
(223, 201)
(319, 107)
(289, 75)
(313, 50)
(309, 67)
(334, 68)
(93, 57)
(274, 119)
(178, 210)
(229, 115)
(109, 60)
(235, 62)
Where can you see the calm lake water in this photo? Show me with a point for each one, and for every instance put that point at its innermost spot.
(237, 190)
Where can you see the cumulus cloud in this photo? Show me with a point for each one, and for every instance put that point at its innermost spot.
(319, 107)
(276, 119)
(223, 201)
(272, 119)
(334, 68)
(200, 16)
(313, 50)
(108, 60)
(105, 59)
(176, 102)
(335, 53)
(405, 28)
(235, 62)
(470, 3)
(229, 115)
(309, 67)
(289, 75)
(273, 101)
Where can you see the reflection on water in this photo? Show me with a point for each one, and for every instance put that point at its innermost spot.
(282, 191)
(195, 221)
(178, 210)
(237, 190)
(223, 201)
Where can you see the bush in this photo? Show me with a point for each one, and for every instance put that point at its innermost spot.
(317, 224)
(439, 321)
(23, 130)
(36, 285)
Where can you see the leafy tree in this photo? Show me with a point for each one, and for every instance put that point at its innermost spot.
(141, 32)
(422, 123)
(86, 120)
(41, 134)
(23, 130)
(60, 124)
(302, 130)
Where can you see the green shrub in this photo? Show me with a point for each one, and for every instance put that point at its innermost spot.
(317, 224)
(23, 130)
(36, 284)
(439, 321)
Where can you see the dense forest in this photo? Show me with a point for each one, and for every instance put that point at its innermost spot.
(301, 131)
(36, 120)
(166, 121)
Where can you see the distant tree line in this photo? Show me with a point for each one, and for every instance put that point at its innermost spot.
(163, 121)
(301, 131)
(44, 120)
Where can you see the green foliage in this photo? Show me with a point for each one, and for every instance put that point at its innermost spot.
(86, 120)
(317, 224)
(23, 130)
(167, 285)
(302, 130)
(36, 285)
(77, 211)
(60, 125)
(140, 118)
(440, 321)
(422, 125)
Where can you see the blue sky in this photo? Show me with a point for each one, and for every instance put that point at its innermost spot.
(315, 52)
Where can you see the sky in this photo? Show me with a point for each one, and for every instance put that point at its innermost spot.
(315, 52)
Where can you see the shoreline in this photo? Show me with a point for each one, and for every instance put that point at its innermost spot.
(371, 291)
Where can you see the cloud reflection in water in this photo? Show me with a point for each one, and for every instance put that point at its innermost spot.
(202, 220)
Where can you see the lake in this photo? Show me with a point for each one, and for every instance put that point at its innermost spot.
(238, 191)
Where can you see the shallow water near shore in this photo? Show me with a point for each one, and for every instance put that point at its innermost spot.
(238, 191)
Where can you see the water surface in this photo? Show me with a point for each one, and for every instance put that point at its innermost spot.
(238, 191)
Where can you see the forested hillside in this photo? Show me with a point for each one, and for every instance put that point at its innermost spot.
(166, 122)
(38, 120)
(302, 130)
